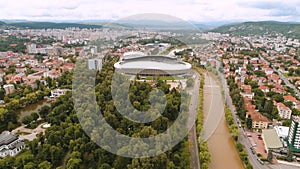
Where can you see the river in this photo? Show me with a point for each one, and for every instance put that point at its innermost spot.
(220, 143)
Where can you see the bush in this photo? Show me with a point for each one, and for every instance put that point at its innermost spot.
(35, 116)
(27, 119)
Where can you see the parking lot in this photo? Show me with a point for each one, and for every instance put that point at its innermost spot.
(257, 143)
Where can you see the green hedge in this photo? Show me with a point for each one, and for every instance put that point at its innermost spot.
(204, 155)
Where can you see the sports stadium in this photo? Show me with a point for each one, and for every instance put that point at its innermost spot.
(133, 63)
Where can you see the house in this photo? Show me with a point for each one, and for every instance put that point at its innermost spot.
(10, 144)
(52, 74)
(9, 88)
(246, 88)
(264, 89)
(269, 71)
(292, 99)
(242, 70)
(289, 98)
(283, 111)
(247, 91)
(258, 120)
(274, 78)
(58, 92)
(278, 90)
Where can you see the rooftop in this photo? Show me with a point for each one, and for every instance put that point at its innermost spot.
(282, 130)
(153, 65)
(271, 139)
(6, 138)
(152, 62)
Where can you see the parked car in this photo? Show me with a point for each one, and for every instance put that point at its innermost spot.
(261, 162)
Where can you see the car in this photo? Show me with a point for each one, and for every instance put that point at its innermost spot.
(261, 162)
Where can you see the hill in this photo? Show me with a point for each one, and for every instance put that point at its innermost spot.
(2, 23)
(291, 30)
(107, 25)
(51, 25)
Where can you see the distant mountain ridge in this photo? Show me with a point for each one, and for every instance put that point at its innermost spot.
(2, 23)
(288, 29)
(48, 25)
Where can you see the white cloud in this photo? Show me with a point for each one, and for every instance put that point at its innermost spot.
(197, 10)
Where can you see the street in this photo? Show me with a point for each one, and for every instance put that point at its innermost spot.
(286, 81)
(195, 164)
(244, 140)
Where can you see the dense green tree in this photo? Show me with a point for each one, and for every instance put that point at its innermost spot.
(270, 156)
(7, 163)
(44, 165)
(297, 71)
(249, 122)
(27, 119)
(268, 107)
(30, 165)
(289, 156)
(44, 111)
(278, 97)
(2, 93)
(34, 115)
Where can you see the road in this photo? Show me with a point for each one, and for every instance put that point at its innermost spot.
(286, 81)
(195, 163)
(31, 132)
(244, 140)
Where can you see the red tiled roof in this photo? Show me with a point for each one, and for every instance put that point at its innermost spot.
(256, 116)
(282, 106)
(290, 98)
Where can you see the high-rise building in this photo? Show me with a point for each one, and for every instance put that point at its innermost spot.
(95, 64)
(293, 138)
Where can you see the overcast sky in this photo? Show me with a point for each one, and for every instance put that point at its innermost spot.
(192, 10)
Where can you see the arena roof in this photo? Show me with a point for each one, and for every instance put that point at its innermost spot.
(153, 65)
(137, 62)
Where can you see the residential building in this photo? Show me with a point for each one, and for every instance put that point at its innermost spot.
(269, 71)
(10, 144)
(95, 64)
(58, 92)
(9, 88)
(292, 99)
(258, 120)
(264, 89)
(283, 111)
(293, 138)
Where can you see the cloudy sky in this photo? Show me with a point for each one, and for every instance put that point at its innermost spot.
(192, 10)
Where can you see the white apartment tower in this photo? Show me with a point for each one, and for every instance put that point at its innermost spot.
(293, 138)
